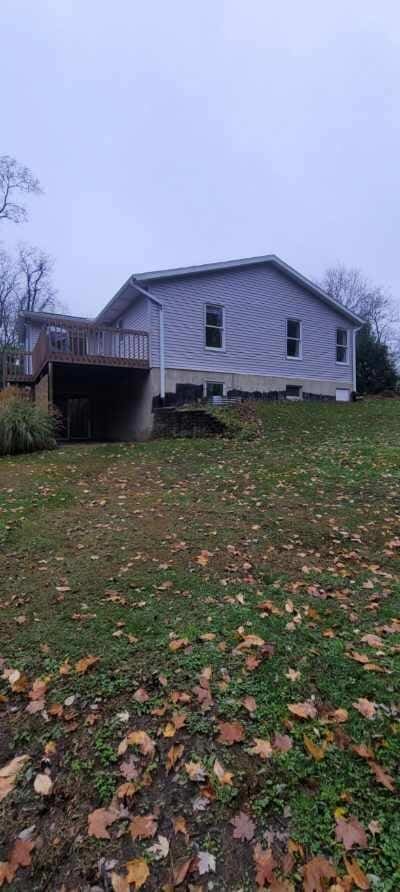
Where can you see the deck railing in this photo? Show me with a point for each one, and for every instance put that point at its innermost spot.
(83, 344)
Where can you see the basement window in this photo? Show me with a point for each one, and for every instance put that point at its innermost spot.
(214, 388)
(293, 392)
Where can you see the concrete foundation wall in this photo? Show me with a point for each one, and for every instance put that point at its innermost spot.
(251, 383)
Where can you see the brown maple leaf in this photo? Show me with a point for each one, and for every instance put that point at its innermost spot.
(357, 875)
(382, 776)
(178, 643)
(250, 704)
(304, 710)
(85, 663)
(265, 864)
(143, 826)
(196, 771)
(244, 827)
(141, 695)
(366, 707)
(261, 748)
(315, 872)
(282, 742)
(99, 820)
(138, 872)
(230, 733)
(140, 739)
(351, 833)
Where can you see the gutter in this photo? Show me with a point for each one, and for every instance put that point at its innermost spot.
(160, 305)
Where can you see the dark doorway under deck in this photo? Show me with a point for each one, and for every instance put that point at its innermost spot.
(97, 403)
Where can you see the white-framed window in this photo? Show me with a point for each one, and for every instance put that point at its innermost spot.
(342, 345)
(214, 323)
(293, 339)
(213, 388)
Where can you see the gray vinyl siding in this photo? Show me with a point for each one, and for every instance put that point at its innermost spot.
(137, 316)
(257, 302)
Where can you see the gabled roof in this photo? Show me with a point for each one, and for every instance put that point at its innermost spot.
(127, 293)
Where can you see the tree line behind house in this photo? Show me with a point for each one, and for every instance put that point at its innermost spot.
(26, 283)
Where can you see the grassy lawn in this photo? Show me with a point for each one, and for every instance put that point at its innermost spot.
(240, 598)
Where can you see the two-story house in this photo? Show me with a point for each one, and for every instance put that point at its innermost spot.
(251, 327)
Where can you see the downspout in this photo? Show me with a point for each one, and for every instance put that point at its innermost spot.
(355, 330)
(160, 306)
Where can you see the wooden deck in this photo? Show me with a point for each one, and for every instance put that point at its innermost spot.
(83, 345)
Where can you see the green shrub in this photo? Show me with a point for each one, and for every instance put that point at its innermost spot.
(25, 427)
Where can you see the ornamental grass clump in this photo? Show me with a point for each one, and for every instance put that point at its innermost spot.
(24, 426)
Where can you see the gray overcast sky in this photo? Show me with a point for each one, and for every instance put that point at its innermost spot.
(173, 132)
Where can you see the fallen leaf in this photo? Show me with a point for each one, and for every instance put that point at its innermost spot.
(372, 640)
(304, 710)
(195, 770)
(7, 872)
(182, 869)
(317, 752)
(293, 674)
(21, 852)
(141, 695)
(265, 864)
(9, 774)
(118, 882)
(178, 643)
(244, 827)
(230, 733)
(365, 707)
(138, 872)
(351, 833)
(140, 739)
(99, 820)
(362, 750)
(180, 826)
(205, 863)
(250, 704)
(282, 742)
(173, 754)
(225, 777)
(143, 826)
(357, 875)
(261, 748)
(315, 872)
(43, 784)
(203, 558)
(160, 849)
(382, 776)
(169, 730)
(85, 663)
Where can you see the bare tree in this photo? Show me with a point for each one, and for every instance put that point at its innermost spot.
(350, 287)
(25, 284)
(15, 180)
(35, 288)
(8, 298)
